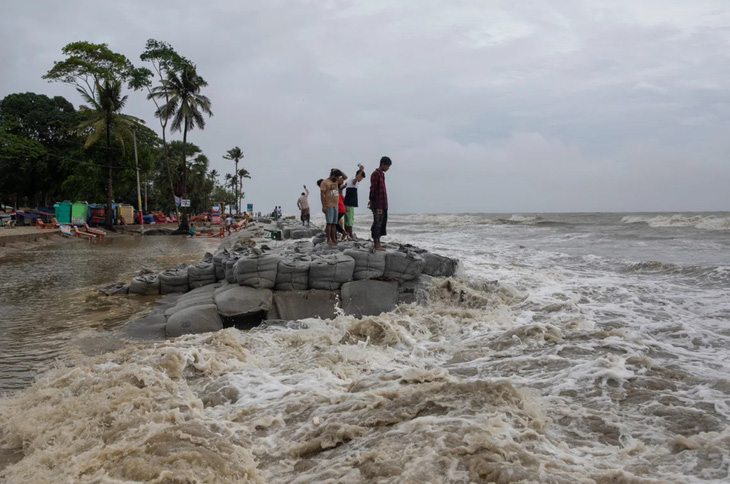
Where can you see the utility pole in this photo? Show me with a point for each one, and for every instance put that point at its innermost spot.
(139, 192)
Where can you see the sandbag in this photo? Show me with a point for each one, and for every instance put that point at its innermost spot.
(145, 285)
(330, 270)
(300, 247)
(292, 274)
(201, 274)
(319, 239)
(368, 263)
(219, 261)
(439, 266)
(230, 272)
(257, 271)
(174, 280)
(403, 265)
(300, 233)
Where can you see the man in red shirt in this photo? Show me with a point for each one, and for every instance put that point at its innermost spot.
(378, 202)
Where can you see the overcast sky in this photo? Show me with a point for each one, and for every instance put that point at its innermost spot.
(483, 106)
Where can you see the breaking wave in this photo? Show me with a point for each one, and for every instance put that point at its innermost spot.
(706, 222)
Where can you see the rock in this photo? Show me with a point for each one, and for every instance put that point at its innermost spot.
(369, 263)
(403, 265)
(242, 305)
(158, 232)
(291, 305)
(368, 298)
(330, 270)
(194, 320)
(257, 271)
(439, 266)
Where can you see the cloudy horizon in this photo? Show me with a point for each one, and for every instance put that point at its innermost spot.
(500, 107)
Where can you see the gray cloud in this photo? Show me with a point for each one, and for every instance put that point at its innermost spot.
(528, 106)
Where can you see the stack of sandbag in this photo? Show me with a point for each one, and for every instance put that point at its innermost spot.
(369, 263)
(319, 238)
(145, 285)
(257, 270)
(403, 265)
(174, 280)
(292, 274)
(219, 261)
(201, 274)
(330, 270)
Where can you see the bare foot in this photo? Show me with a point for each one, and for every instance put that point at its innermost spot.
(379, 248)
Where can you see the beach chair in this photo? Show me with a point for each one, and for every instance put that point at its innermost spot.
(39, 223)
(99, 233)
(66, 231)
(77, 233)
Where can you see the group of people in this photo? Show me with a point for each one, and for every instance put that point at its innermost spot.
(339, 198)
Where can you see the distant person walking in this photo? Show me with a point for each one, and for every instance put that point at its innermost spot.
(303, 204)
(351, 200)
(330, 196)
(378, 202)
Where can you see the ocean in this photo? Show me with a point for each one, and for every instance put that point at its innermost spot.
(571, 348)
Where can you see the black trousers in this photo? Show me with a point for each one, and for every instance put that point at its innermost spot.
(380, 221)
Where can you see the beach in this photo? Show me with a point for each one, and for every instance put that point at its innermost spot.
(570, 348)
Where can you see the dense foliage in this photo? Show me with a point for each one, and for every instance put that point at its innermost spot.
(50, 151)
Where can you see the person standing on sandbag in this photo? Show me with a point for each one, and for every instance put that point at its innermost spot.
(378, 202)
(330, 196)
(303, 205)
(351, 200)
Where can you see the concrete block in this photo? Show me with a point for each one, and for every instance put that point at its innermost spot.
(368, 298)
(314, 303)
(194, 320)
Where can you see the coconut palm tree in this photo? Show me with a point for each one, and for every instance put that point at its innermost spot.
(184, 105)
(103, 117)
(242, 173)
(236, 155)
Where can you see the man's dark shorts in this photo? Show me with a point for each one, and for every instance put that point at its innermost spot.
(379, 224)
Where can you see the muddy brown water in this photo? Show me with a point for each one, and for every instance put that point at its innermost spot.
(51, 310)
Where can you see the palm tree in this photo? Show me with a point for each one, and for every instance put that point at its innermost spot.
(242, 173)
(184, 105)
(235, 154)
(103, 117)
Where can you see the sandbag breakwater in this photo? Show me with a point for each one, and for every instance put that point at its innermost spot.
(250, 279)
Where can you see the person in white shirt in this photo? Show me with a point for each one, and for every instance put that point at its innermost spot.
(303, 205)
